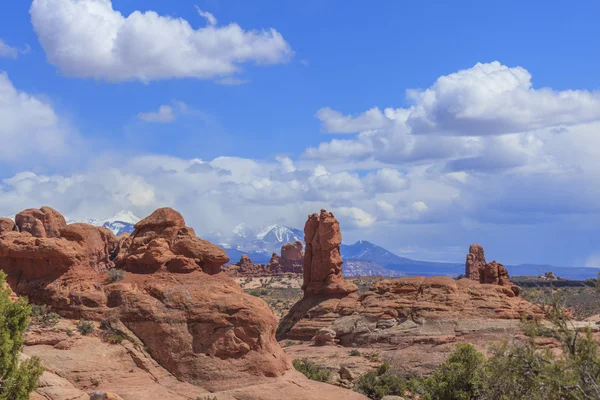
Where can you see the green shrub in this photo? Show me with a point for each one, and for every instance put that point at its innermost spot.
(355, 353)
(311, 370)
(17, 379)
(42, 315)
(460, 377)
(84, 327)
(381, 382)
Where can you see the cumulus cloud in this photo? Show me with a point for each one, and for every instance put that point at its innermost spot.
(29, 125)
(386, 180)
(485, 118)
(493, 99)
(90, 39)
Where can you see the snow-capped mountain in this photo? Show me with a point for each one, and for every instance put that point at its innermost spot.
(121, 222)
(259, 244)
(278, 234)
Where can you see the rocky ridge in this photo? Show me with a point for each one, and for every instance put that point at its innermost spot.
(196, 322)
(393, 311)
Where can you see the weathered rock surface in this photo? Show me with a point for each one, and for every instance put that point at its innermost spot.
(162, 238)
(322, 259)
(323, 280)
(45, 222)
(7, 225)
(292, 257)
(394, 310)
(475, 262)
(477, 269)
(201, 327)
(397, 310)
(78, 365)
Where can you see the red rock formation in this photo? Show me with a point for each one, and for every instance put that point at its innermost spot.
(322, 260)
(402, 309)
(7, 225)
(397, 310)
(475, 262)
(274, 265)
(292, 257)
(45, 222)
(478, 270)
(161, 239)
(203, 328)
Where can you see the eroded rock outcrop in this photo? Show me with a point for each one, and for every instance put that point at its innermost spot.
(323, 280)
(292, 257)
(198, 325)
(163, 239)
(477, 269)
(7, 225)
(45, 222)
(322, 259)
(397, 310)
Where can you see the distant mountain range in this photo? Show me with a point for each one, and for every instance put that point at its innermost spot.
(121, 222)
(362, 258)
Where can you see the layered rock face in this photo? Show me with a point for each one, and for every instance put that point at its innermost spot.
(401, 310)
(292, 257)
(199, 325)
(478, 270)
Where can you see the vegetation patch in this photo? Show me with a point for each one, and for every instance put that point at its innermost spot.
(311, 370)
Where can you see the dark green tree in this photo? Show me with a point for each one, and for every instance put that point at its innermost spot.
(17, 378)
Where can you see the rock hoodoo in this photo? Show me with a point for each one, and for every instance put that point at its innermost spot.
(322, 259)
(197, 323)
(477, 269)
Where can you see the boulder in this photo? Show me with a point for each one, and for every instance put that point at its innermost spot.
(324, 336)
(7, 225)
(42, 223)
(162, 237)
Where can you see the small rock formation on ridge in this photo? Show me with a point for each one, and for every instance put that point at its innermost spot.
(494, 273)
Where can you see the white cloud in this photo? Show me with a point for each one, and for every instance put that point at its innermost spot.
(209, 17)
(493, 99)
(386, 180)
(29, 125)
(89, 39)
(334, 122)
(164, 114)
(485, 118)
(354, 216)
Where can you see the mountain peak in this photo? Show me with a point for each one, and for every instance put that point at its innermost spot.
(124, 216)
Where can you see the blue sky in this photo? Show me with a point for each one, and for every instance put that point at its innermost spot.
(319, 112)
